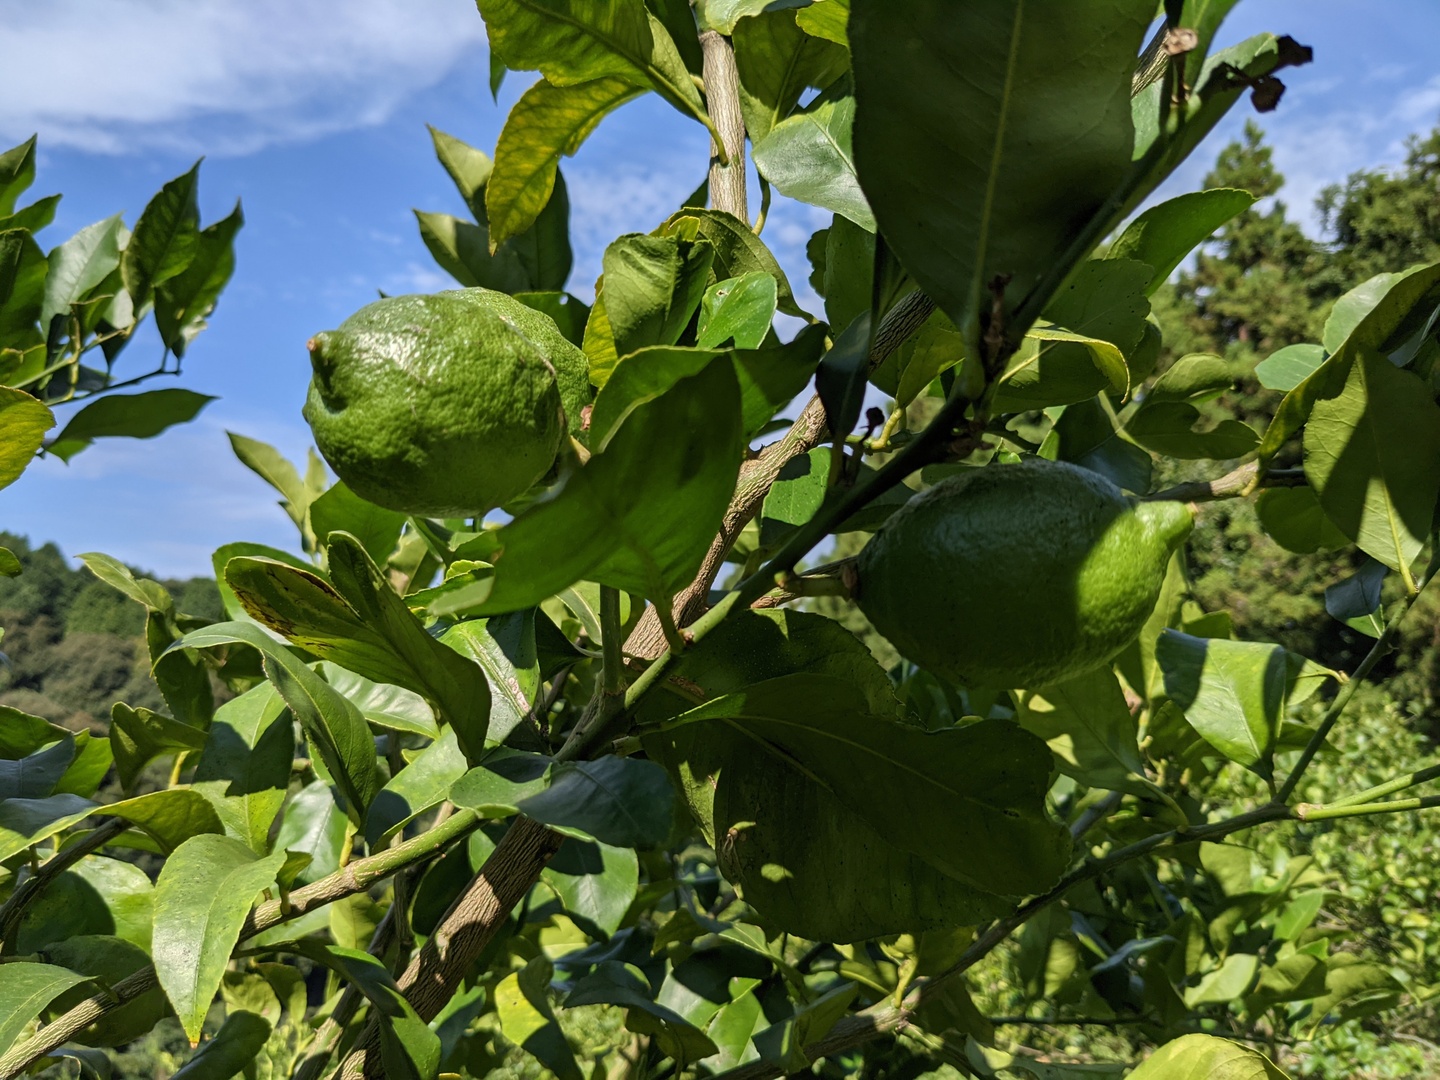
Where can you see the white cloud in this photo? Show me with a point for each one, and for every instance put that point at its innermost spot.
(223, 76)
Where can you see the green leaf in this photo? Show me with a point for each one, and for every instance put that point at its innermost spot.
(383, 704)
(725, 16)
(78, 265)
(468, 167)
(221, 558)
(826, 19)
(151, 594)
(952, 103)
(341, 510)
(1234, 693)
(136, 416)
(596, 882)
(504, 647)
(202, 896)
(9, 563)
(109, 959)
(653, 285)
(738, 251)
(1410, 291)
(166, 237)
(185, 301)
(569, 313)
(139, 736)
(1205, 1057)
(1168, 428)
(803, 487)
(809, 157)
(1372, 454)
(409, 1049)
(17, 172)
(641, 377)
(463, 252)
(527, 1020)
(909, 370)
(331, 723)
(247, 757)
(27, 988)
(94, 896)
(22, 734)
(737, 311)
(230, 1050)
(1355, 600)
(32, 218)
(770, 378)
(313, 824)
(624, 802)
(1090, 730)
(979, 789)
(419, 786)
(1226, 983)
(660, 487)
(23, 423)
(777, 61)
(1103, 301)
(840, 378)
(1287, 368)
(614, 983)
(35, 775)
(361, 623)
(783, 1044)
(268, 463)
(578, 41)
(1164, 234)
(1354, 306)
(24, 822)
(1294, 519)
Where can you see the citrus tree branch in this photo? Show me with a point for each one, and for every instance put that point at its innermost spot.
(354, 878)
(1233, 485)
(722, 102)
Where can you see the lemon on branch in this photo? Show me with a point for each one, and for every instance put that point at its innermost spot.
(1018, 575)
(445, 405)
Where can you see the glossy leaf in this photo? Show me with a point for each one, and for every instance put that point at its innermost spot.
(139, 736)
(332, 724)
(1234, 693)
(221, 558)
(840, 378)
(25, 991)
(661, 485)
(803, 487)
(1090, 730)
(1165, 233)
(978, 789)
(1169, 428)
(205, 890)
(505, 648)
(770, 378)
(738, 251)
(422, 784)
(1355, 600)
(184, 302)
(1205, 1057)
(17, 173)
(547, 122)
(726, 15)
(1294, 519)
(1287, 368)
(313, 824)
(95, 896)
(166, 237)
(468, 167)
(408, 1048)
(950, 100)
(776, 61)
(737, 312)
(230, 1051)
(809, 157)
(383, 704)
(23, 424)
(826, 19)
(784, 1043)
(247, 757)
(341, 510)
(653, 285)
(24, 822)
(1414, 289)
(271, 466)
(596, 882)
(78, 265)
(136, 416)
(641, 377)
(528, 1021)
(463, 252)
(1372, 454)
(623, 802)
(578, 41)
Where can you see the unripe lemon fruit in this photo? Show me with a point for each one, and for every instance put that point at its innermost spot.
(445, 405)
(1018, 575)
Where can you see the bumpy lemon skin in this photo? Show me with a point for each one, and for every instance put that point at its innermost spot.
(1019, 575)
(434, 405)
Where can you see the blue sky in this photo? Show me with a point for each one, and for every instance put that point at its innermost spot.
(313, 112)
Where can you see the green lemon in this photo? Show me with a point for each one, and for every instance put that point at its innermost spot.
(445, 405)
(1018, 575)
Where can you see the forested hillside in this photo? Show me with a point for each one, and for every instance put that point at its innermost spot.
(73, 645)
